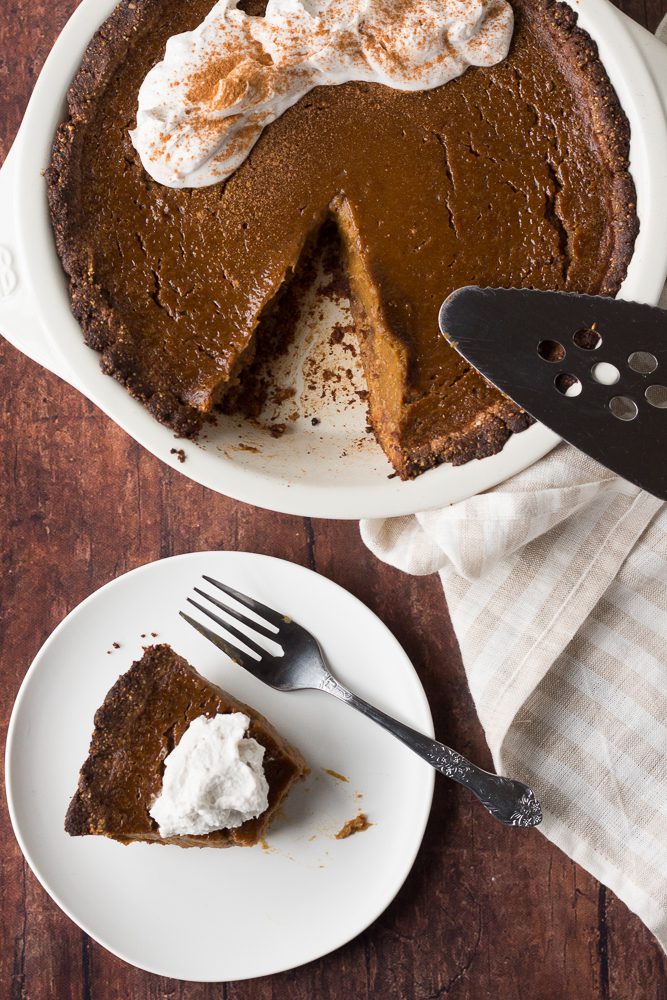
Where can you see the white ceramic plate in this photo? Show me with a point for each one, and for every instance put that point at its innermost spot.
(212, 915)
(324, 471)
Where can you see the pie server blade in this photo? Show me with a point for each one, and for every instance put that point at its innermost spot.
(592, 369)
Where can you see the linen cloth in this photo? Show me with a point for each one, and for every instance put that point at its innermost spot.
(556, 583)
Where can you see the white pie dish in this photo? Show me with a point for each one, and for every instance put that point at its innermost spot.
(327, 471)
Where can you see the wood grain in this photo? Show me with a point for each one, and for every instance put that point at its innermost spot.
(486, 913)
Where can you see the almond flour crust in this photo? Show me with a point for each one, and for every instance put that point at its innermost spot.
(423, 411)
(142, 718)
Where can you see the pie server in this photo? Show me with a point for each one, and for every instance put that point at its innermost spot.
(592, 369)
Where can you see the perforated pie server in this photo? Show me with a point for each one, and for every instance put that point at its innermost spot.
(592, 369)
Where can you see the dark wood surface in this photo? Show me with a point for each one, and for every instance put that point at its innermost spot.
(486, 912)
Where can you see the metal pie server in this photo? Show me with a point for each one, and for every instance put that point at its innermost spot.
(590, 368)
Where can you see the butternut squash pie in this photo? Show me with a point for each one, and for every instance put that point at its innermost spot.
(511, 174)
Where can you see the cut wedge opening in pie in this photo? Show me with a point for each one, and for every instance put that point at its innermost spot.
(143, 718)
(510, 175)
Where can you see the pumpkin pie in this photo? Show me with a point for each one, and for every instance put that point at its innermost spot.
(510, 175)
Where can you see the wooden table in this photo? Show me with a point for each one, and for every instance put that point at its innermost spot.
(486, 912)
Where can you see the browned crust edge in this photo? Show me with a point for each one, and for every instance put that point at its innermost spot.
(100, 325)
(612, 130)
(102, 329)
(80, 816)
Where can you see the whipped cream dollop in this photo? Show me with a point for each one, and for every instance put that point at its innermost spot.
(202, 109)
(213, 778)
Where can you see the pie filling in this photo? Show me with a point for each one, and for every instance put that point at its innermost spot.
(514, 175)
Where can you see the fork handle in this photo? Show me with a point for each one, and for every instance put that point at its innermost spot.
(510, 801)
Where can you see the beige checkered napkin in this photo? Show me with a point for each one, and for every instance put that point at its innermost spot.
(557, 588)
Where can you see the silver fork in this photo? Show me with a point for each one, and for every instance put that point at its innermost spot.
(302, 666)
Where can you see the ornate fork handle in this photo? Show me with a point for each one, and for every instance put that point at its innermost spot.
(510, 801)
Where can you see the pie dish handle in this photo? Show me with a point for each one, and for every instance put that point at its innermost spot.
(19, 322)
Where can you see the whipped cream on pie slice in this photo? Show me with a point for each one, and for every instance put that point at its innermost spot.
(204, 106)
(213, 778)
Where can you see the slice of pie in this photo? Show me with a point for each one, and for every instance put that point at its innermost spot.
(510, 175)
(143, 717)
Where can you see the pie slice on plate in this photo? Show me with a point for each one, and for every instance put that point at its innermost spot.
(142, 719)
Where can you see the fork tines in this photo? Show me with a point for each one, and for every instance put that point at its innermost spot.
(239, 656)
